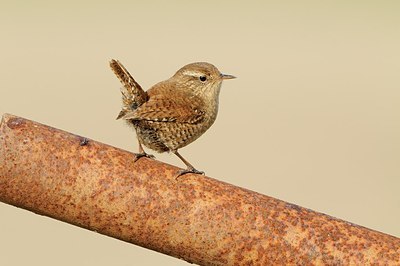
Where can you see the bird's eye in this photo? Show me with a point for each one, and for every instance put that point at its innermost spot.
(203, 78)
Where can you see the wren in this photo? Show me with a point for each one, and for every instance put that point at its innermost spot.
(174, 112)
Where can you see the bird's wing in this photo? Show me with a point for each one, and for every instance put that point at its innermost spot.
(160, 108)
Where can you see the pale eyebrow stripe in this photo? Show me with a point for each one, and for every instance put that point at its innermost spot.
(193, 73)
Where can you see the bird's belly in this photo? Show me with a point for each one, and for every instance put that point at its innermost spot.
(149, 137)
(168, 136)
(179, 135)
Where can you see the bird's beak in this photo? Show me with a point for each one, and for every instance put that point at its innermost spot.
(226, 76)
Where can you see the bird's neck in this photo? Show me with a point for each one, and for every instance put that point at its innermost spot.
(211, 100)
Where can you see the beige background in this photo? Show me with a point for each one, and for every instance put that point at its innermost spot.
(313, 118)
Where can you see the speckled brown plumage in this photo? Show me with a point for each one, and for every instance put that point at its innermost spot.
(174, 112)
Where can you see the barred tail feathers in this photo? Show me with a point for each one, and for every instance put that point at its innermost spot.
(132, 93)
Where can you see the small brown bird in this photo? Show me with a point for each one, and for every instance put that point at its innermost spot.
(174, 112)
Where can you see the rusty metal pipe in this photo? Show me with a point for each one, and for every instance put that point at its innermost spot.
(196, 218)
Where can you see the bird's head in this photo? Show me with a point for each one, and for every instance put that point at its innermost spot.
(201, 78)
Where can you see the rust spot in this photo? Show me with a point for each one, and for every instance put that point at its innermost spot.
(293, 207)
(83, 141)
(15, 122)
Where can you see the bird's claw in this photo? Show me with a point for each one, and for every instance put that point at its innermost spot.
(143, 154)
(189, 171)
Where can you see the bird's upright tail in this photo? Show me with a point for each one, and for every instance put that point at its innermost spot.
(132, 93)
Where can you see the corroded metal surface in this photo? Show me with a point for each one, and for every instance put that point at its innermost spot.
(196, 218)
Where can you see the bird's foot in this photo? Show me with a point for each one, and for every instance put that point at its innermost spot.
(189, 170)
(143, 154)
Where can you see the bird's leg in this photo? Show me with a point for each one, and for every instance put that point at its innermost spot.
(189, 169)
(142, 153)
